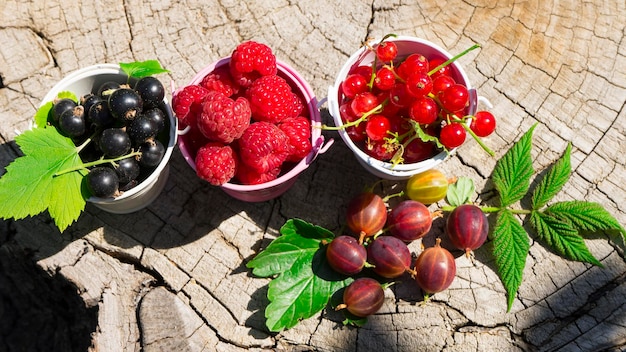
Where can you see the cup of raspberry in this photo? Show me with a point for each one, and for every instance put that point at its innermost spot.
(124, 131)
(402, 105)
(249, 123)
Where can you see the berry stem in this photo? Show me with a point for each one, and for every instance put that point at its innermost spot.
(452, 59)
(356, 122)
(471, 133)
(485, 209)
(96, 162)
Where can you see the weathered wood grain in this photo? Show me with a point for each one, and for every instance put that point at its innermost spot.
(173, 276)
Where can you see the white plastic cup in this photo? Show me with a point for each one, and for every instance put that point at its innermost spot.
(406, 46)
(85, 81)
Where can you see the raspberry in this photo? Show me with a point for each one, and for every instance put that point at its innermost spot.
(184, 101)
(247, 176)
(223, 119)
(251, 60)
(263, 147)
(216, 163)
(298, 129)
(220, 80)
(272, 100)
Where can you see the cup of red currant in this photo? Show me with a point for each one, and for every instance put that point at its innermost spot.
(249, 123)
(125, 132)
(403, 105)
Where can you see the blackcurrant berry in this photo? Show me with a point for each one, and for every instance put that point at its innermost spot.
(127, 169)
(102, 182)
(72, 122)
(158, 116)
(151, 153)
(114, 142)
(88, 100)
(100, 115)
(142, 129)
(106, 88)
(151, 91)
(125, 104)
(60, 106)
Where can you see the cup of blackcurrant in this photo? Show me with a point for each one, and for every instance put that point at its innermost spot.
(124, 130)
(403, 105)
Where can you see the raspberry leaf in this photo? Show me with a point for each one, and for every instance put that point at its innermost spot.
(460, 192)
(554, 180)
(510, 249)
(512, 173)
(562, 237)
(141, 69)
(30, 186)
(302, 291)
(589, 217)
(298, 239)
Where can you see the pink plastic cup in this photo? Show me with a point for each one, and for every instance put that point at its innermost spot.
(275, 188)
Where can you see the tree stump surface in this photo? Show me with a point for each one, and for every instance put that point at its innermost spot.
(173, 276)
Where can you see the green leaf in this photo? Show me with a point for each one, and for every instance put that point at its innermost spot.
(588, 216)
(42, 116)
(299, 238)
(142, 68)
(562, 237)
(512, 172)
(29, 186)
(461, 191)
(510, 249)
(425, 137)
(554, 180)
(302, 291)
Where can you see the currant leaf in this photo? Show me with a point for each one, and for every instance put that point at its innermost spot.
(510, 249)
(141, 69)
(299, 238)
(302, 291)
(554, 180)
(30, 186)
(562, 237)
(512, 173)
(460, 192)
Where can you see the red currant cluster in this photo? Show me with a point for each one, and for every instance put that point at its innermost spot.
(406, 109)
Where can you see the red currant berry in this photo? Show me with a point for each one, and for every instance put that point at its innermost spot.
(385, 78)
(379, 150)
(452, 135)
(364, 70)
(434, 62)
(353, 85)
(356, 133)
(398, 124)
(424, 110)
(399, 95)
(413, 63)
(419, 84)
(483, 123)
(387, 51)
(454, 98)
(441, 83)
(418, 150)
(377, 127)
(363, 102)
